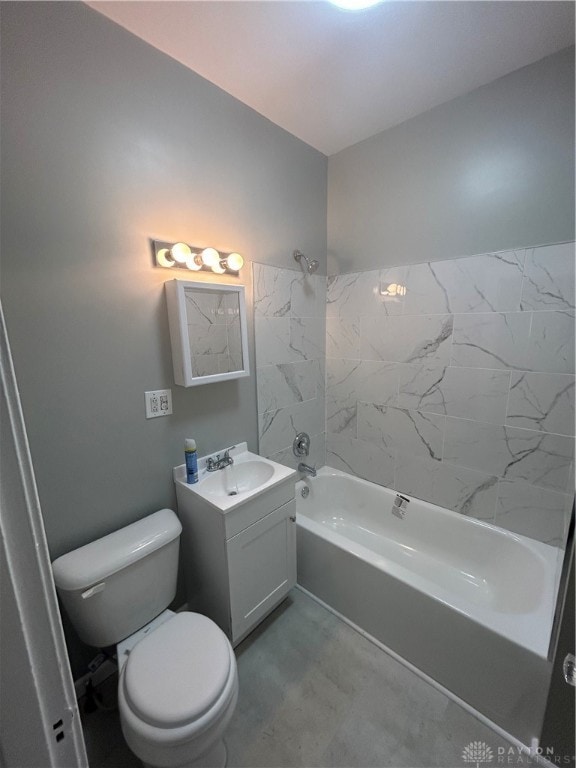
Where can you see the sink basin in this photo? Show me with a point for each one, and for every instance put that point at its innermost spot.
(249, 476)
(238, 478)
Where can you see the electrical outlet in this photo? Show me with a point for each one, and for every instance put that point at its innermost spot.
(158, 403)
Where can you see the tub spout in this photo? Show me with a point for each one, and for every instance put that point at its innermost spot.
(305, 469)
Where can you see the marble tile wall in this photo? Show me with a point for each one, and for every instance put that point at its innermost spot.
(289, 322)
(460, 390)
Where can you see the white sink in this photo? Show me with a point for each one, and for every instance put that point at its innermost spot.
(248, 477)
(237, 478)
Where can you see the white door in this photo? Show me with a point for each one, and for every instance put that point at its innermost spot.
(261, 567)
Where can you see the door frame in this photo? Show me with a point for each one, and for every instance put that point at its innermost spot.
(38, 709)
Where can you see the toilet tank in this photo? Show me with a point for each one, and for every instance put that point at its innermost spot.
(117, 584)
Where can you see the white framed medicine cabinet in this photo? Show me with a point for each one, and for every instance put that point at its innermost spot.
(208, 332)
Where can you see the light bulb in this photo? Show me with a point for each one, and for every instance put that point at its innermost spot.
(180, 252)
(163, 258)
(218, 268)
(234, 261)
(210, 256)
(194, 262)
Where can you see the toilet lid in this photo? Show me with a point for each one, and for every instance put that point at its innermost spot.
(176, 674)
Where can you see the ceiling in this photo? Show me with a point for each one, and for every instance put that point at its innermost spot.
(333, 77)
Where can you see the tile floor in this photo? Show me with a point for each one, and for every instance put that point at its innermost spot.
(313, 692)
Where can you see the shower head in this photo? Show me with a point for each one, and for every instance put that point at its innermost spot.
(311, 264)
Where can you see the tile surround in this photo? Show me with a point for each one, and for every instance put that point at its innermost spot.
(367, 460)
(549, 278)
(542, 401)
(287, 384)
(489, 283)
(278, 428)
(359, 293)
(407, 339)
(523, 341)
(343, 337)
(290, 336)
(460, 392)
(458, 488)
(471, 393)
(540, 513)
(538, 458)
(398, 429)
(551, 343)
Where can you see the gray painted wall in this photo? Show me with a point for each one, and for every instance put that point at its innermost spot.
(107, 142)
(488, 171)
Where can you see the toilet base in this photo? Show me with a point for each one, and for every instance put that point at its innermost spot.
(216, 757)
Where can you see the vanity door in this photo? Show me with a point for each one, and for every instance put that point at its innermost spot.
(261, 568)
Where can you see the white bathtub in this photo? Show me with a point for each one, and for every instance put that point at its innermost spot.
(447, 593)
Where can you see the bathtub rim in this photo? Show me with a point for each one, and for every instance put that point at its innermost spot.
(327, 471)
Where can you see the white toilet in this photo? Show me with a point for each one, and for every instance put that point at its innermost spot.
(178, 683)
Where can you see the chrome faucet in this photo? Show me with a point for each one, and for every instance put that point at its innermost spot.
(220, 462)
(306, 469)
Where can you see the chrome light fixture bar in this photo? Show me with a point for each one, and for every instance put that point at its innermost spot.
(183, 256)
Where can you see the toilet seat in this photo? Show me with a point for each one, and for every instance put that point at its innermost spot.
(174, 676)
(170, 745)
(186, 740)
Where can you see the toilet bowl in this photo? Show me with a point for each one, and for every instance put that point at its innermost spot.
(177, 691)
(178, 681)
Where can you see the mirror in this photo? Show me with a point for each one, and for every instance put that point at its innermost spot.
(207, 331)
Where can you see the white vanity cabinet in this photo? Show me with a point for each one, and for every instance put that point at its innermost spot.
(240, 563)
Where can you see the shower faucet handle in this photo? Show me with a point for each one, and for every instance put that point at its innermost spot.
(301, 444)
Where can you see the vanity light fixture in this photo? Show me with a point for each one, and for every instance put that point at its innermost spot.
(183, 256)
